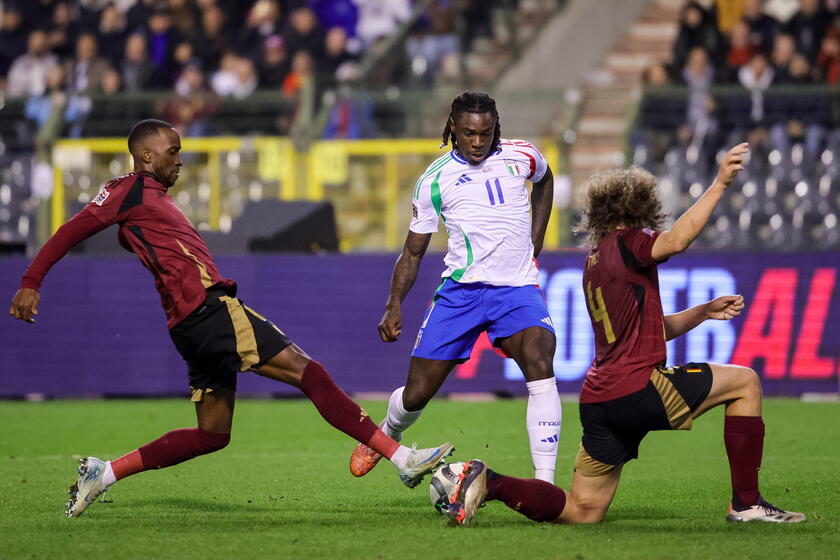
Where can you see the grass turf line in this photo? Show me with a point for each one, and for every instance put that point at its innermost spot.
(282, 488)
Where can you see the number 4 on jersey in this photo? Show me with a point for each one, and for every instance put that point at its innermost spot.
(599, 311)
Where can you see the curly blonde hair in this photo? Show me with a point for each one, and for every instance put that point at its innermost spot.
(620, 197)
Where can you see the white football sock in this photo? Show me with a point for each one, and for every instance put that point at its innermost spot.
(543, 421)
(400, 457)
(109, 477)
(399, 419)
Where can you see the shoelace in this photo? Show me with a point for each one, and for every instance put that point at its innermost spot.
(770, 509)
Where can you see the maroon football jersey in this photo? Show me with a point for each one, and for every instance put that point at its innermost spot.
(153, 228)
(621, 287)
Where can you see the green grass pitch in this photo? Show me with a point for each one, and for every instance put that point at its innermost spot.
(282, 488)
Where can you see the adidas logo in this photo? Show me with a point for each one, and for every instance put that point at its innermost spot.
(547, 321)
(362, 415)
(463, 179)
(553, 439)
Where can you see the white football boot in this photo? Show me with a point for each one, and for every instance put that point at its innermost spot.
(423, 461)
(764, 512)
(89, 486)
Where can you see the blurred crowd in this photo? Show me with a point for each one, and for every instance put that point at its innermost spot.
(739, 73)
(739, 44)
(59, 53)
(726, 44)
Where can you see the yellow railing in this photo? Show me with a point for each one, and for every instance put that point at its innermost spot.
(368, 180)
(76, 153)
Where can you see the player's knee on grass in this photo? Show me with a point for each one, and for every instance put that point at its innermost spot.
(585, 508)
(587, 513)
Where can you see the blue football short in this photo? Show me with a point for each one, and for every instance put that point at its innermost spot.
(461, 312)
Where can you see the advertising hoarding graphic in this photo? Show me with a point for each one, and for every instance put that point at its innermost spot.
(101, 330)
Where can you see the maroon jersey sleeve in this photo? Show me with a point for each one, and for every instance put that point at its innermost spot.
(101, 212)
(636, 246)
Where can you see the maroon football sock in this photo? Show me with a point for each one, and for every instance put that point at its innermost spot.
(341, 411)
(127, 465)
(744, 439)
(176, 447)
(535, 499)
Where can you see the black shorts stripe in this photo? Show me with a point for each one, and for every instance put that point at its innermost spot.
(223, 337)
(613, 430)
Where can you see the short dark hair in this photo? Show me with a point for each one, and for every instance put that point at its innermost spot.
(143, 130)
(472, 102)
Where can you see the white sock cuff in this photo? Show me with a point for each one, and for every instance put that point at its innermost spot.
(541, 386)
(398, 419)
(109, 477)
(400, 457)
(398, 403)
(396, 400)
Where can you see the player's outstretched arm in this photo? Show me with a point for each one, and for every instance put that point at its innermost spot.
(542, 198)
(402, 279)
(25, 304)
(691, 223)
(723, 308)
(25, 301)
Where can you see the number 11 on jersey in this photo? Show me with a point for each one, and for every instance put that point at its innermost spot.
(599, 311)
(498, 191)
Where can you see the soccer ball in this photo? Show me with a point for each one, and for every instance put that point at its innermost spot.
(443, 484)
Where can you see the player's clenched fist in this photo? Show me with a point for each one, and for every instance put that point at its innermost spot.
(390, 326)
(725, 308)
(25, 305)
(732, 163)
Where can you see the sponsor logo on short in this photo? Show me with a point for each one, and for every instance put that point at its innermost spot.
(553, 439)
(547, 321)
(101, 197)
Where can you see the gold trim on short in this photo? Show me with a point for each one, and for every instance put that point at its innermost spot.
(246, 341)
(198, 394)
(254, 312)
(587, 466)
(677, 410)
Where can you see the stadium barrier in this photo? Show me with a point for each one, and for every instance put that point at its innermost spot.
(369, 181)
(101, 330)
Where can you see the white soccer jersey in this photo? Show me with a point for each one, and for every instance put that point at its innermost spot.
(487, 212)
